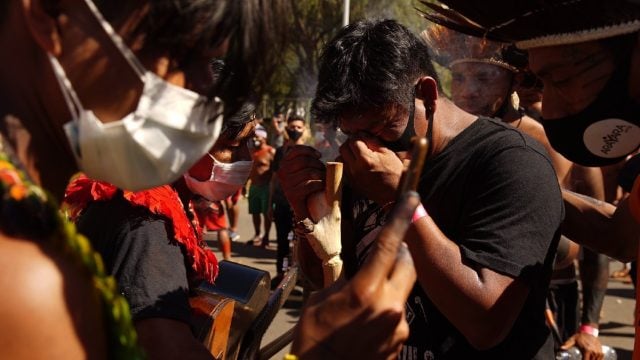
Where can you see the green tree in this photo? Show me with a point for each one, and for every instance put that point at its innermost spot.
(311, 24)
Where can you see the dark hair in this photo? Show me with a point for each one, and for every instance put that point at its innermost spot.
(185, 28)
(188, 26)
(234, 124)
(515, 57)
(369, 63)
(295, 117)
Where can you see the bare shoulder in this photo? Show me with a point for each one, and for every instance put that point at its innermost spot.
(531, 127)
(534, 129)
(49, 304)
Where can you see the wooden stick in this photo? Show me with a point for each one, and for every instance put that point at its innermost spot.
(324, 210)
(272, 348)
(333, 188)
(411, 176)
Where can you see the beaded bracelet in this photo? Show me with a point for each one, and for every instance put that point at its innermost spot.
(419, 213)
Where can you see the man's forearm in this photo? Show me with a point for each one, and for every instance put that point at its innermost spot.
(601, 226)
(594, 273)
(480, 303)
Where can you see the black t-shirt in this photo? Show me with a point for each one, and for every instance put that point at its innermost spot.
(139, 251)
(494, 192)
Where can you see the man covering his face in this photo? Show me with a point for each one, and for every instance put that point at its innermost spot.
(377, 82)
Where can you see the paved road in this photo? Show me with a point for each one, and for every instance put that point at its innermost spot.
(265, 259)
(616, 321)
(617, 315)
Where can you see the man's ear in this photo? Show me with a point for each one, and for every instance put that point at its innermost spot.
(42, 25)
(427, 91)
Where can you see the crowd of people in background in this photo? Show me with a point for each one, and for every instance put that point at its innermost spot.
(266, 203)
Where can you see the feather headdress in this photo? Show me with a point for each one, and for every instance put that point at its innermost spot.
(536, 23)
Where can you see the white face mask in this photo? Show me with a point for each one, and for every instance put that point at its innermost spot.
(225, 180)
(168, 132)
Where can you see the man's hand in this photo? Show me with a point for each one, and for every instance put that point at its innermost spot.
(364, 318)
(301, 174)
(374, 170)
(602, 227)
(589, 346)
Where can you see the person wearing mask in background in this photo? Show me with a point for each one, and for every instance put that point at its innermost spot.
(259, 205)
(83, 315)
(282, 214)
(588, 65)
(485, 77)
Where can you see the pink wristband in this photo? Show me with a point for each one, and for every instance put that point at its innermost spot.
(419, 213)
(588, 329)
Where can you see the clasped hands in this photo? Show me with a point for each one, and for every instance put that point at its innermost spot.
(372, 170)
(590, 346)
(364, 317)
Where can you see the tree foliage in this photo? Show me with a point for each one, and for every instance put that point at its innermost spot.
(311, 24)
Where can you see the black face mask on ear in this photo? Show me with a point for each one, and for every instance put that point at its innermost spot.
(605, 132)
(294, 134)
(404, 142)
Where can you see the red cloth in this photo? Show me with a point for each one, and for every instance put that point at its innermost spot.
(163, 201)
(210, 214)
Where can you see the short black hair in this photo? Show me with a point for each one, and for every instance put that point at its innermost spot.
(368, 64)
(515, 57)
(295, 117)
(234, 124)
